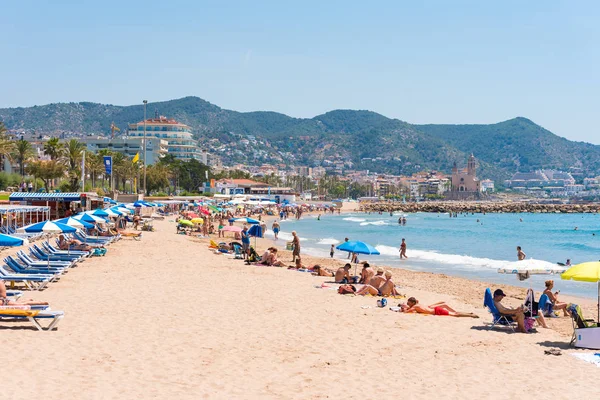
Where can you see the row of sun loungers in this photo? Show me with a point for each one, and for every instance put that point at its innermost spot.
(35, 270)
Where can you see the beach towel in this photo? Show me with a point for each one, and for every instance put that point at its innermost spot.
(593, 358)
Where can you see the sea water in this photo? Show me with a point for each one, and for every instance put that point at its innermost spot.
(471, 245)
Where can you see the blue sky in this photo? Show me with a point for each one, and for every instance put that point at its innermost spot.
(419, 61)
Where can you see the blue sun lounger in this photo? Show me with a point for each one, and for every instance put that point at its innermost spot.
(53, 274)
(42, 255)
(29, 262)
(31, 282)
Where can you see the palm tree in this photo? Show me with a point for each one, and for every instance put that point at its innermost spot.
(73, 153)
(94, 166)
(22, 152)
(53, 149)
(7, 146)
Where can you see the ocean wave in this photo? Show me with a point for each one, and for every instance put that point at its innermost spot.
(353, 219)
(457, 259)
(376, 223)
(328, 241)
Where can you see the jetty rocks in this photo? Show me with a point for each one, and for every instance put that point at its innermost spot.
(479, 207)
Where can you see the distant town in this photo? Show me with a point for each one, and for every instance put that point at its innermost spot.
(279, 180)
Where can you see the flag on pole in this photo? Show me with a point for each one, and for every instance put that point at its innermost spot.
(136, 158)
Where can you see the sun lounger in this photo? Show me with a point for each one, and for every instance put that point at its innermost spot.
(54, 250)
(14, 294)
(17, 268)
(586, 332)
(29, 262)
(497, 318)
(42, 255)
(33, 315)
(31, 282)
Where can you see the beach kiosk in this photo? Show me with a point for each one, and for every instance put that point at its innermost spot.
(58, 203)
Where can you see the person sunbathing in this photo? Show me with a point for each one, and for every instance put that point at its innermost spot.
(72, 244)
(342, 275)
(553, 297)
(378, 279)
(388, 288)
(440, 308)
(5, 301)
(319, 271)
(366, 274)
(271, 258)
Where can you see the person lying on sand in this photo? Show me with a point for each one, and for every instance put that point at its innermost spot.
(342, 275)
(5, 301)
(319, 271)
(387, 289)
(439, 308)
(347, 289)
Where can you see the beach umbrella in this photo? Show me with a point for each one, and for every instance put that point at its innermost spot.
(356, 246)
(197, 220)
(114, 211)
(231, 229)
(122, 210)
(256, 231)
(246, 220)
(92, 219)
(98, 213)
(185, 222)
(9, 241)
(75, 223)
(585, 272)
(531, 266)
(47, 227)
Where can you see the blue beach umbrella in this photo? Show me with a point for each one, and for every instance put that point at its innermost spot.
(355, 246)
(75, 223)
(92, 219)
(7, 240)
(98, 213)
(47, 227)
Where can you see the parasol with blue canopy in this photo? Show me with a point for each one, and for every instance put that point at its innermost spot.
(47, 227)
(9, 241)
(358, 247)
(246, 220)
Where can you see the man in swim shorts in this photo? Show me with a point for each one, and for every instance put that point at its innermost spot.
(441, 308)
(275, 228)
(342, 275)
(366, 274)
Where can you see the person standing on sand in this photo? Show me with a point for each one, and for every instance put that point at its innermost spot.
(275, 228)
(520, 254)
(403, 249)
(332, 251)
(296, 245)
(245, 242)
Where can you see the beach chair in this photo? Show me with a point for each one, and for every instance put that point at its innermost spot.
(237, 250)
(31, 282)
(54, 250)
(586, 332)
(31, 263)
(42, 255)
(497, 318)
(546, 306)
(33, 315)
(52, 273)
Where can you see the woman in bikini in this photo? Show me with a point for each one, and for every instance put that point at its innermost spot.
(441, 308)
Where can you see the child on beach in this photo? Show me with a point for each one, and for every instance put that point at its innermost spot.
(331, 251)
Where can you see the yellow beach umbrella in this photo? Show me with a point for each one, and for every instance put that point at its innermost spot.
(197, 220)
(585, 272)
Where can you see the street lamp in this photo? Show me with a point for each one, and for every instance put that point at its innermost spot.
(145, 103)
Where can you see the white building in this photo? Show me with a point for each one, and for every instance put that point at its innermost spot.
(129, 146)
(180, 141)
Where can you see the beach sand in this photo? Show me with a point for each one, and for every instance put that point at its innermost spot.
(167, 318)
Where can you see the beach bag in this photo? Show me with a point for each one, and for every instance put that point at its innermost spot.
(382, 303)
(529, 323)
(289, 246)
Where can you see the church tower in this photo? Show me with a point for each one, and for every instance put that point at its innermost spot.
(471, 165)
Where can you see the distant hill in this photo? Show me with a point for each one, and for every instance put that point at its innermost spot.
(358, 139)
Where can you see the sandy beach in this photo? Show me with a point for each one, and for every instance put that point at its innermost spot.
(167, 318)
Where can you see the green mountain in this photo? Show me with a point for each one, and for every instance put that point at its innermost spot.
(354, 139)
